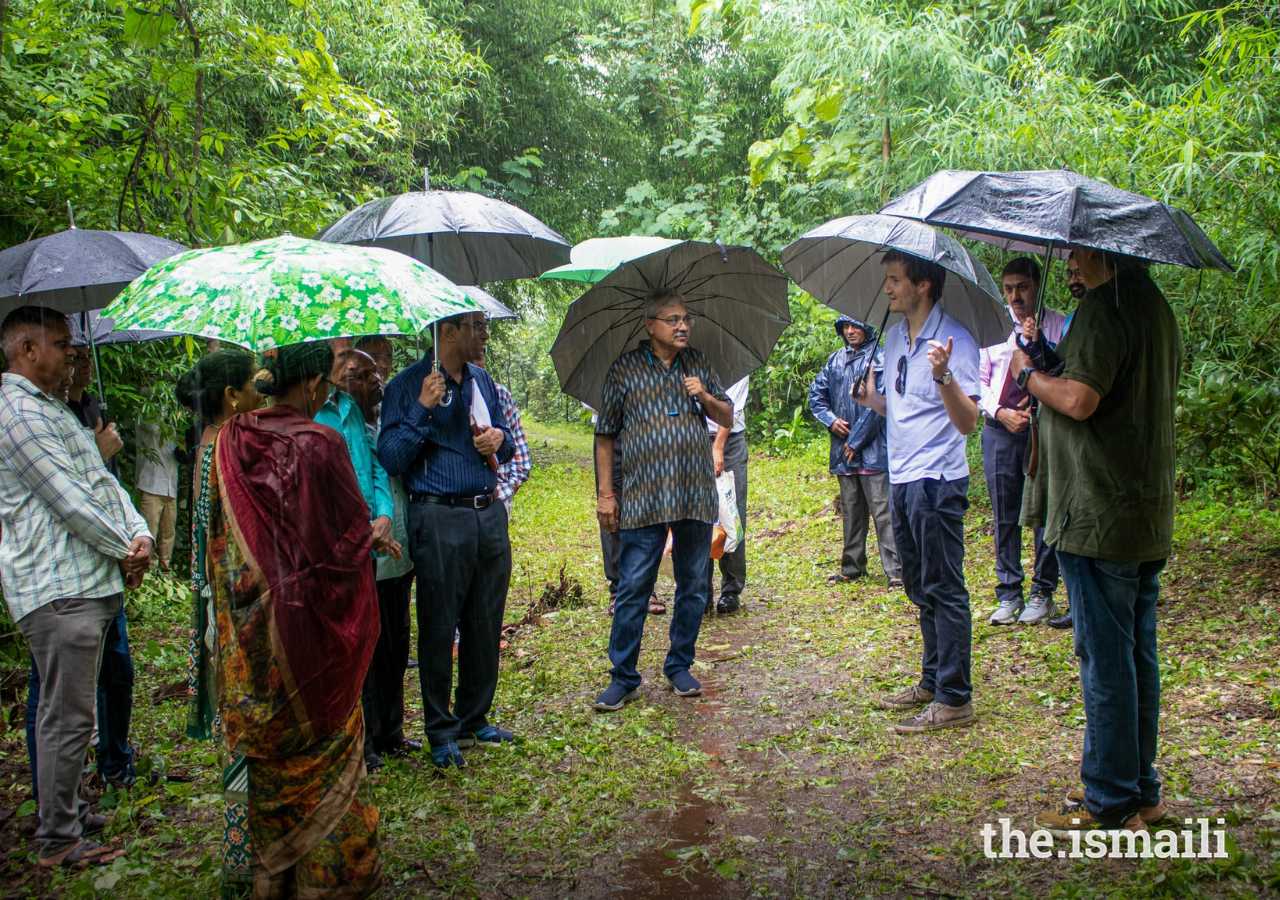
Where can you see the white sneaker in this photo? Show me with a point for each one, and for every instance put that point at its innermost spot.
(1039, 607)
(1007, 612)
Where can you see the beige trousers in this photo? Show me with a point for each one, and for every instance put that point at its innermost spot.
(161, 513)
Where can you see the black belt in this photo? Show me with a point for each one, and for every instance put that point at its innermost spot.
(466, 501)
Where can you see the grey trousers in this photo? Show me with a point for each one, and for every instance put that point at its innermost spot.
(733, 566)
(863, 495)
(66, 638)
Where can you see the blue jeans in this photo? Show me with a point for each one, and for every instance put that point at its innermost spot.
(638, 570)
(115, 705)
(1114, 612)
(928, 527)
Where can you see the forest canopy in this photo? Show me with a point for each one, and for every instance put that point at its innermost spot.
(217, 121)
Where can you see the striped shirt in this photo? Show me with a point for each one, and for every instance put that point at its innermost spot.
(661, 432)
(512, 474)
(433, 449)
(67, 522)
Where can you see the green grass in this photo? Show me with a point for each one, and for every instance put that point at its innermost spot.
(785, 780)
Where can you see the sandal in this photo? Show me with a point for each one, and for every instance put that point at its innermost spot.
(895, 584)
(81, 856)
(656, 606)
(838, 579)
(613, 602)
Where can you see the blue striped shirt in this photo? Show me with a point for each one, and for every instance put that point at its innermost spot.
(432, 448)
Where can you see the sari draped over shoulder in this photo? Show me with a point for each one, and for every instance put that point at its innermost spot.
(296, 617)
(301, 605)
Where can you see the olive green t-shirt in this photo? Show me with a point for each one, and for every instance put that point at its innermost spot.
(1105, 486)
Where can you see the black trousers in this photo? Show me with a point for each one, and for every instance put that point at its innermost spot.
(462, 559)
(383, 695)
(1002, 453)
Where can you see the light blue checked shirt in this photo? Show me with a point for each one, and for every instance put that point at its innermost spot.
(67, 521)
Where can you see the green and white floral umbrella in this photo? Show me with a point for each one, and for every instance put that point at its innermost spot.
(288, 290)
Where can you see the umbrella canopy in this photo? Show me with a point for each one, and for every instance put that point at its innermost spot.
(493, 307)
(740, 302)
(288, 290)
(595, 258)
(105, 335)
(1048, 210)
(77, 270)
(839, 263)
(468, 238)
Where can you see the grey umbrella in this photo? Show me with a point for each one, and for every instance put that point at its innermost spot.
(104, 335)
(468, 238)
(493, 307)
(77, 270)
(740, 302)
(839, 262)
(1045, 211)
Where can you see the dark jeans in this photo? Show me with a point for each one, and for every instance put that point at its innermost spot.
(611, 541)
(1002, 453)
(641, 554)
(928, 527)
(1114, 611)
(383, 695)
(733, 566)
(115, 705)
(462, 560)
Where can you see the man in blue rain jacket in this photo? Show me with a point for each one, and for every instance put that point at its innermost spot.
(859, 454)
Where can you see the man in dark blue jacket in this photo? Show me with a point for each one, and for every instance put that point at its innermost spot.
(859, 454)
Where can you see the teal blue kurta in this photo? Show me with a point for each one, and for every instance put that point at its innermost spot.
(342, 414)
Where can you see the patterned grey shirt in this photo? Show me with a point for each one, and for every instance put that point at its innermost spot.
(66, 519)
(661, 432)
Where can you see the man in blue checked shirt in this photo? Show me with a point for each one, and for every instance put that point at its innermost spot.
(930, 408)
(457, 530)
(72, 541)
(514, 473)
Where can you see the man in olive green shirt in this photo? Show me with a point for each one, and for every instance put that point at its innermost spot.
(1106, 502)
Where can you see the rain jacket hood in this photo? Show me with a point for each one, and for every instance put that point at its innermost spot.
(829, 400)
(844, 320)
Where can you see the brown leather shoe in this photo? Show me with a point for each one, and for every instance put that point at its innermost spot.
(935, 717)
(909, 698)
(1153, 814)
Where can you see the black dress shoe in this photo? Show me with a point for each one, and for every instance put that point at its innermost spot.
(404, 748)
(728, 604)
(1063, 621)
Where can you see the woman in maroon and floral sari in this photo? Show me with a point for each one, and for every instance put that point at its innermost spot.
(296, 618)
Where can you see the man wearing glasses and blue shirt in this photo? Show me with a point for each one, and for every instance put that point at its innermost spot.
(930, 408)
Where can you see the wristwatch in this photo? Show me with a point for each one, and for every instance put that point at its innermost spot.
(945, 380)
(1023, 376)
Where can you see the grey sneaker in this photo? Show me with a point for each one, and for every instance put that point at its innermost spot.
(909, 698)
(936, 716)
(1040, 606)
(1007, 612)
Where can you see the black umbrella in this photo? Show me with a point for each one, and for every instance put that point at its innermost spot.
(77, 270)
(1046, 211)
(839, 263)
(740, 302)
(468, 238)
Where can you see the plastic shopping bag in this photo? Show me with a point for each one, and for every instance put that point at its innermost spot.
(733, 528)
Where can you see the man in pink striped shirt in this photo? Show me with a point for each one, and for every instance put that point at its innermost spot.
(1005, 435)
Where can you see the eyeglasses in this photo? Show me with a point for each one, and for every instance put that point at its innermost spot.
(900, 385)
(478, 327)
(676, 321)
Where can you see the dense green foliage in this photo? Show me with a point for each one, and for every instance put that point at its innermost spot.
(221, 120)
